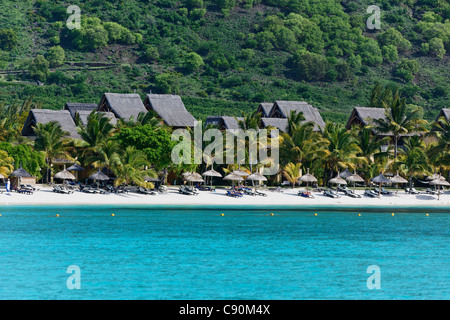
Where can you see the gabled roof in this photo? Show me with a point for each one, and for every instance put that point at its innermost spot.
(279, 123)
(444, 113)
(224, 122)
(171, 109)
(74, 107)
(365, 115)
(123, 105)
(264, 108)
(84, 114)
(44, 116)
(282, 109)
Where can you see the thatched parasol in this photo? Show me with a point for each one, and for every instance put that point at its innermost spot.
(99, 176)
(20, 173)
(338, 180)
(233, 177)
(211, 173)
(439, 182)
(380, 179)
(240, 172)
(75, 167)
(256, 177)
(64, 175)
(397, 179)
(307, 178)
(345, 174)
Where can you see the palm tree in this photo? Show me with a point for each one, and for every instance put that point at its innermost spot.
(294, 121)
(12, 118)
(400, 120)
(131, 167)
(342, 148)
(292, 172)
(249, 121)
(6, 163)
(106, 156)
(413, 160)
(51, 140)
(303, 145)
(439, 152)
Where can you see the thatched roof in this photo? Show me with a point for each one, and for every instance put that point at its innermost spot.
(282, 109)
(224, 122)
(444, 113)
(123, 105)
(44, 116)
(74, 107)
(171, 109)
(85, 114)
(265, 108)
(279, 123)
(364, 116)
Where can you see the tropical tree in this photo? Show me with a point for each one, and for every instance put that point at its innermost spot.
(292, 172)
(413, 160)
(6, 163)
(51, 140)
(131, 167)
(343, 149)
(12, 118)
(400, 120)
(439, 151)
(106, 155)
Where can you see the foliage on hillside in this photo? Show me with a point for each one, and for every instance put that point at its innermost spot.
(226, 56)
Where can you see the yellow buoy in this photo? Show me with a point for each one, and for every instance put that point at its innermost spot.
(392, 214)
(112, 214)
(315, 214)
(222, 214)
(426, 214)
(271, 214)
(359, 214)
(57, 215)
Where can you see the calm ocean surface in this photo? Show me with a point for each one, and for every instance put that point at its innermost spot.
(145, 253)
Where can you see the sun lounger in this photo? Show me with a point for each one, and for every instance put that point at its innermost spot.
(370, 193)
(431, 191)
(383, 191)
(188, 191)
(233, 193)
(24, 191)
(142, 190)
(331, 193)
(262, 194)
(411, 191)
(277, 189)
(351, 193)
(305, 194)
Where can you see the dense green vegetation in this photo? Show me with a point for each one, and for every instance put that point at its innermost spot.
(225, 56)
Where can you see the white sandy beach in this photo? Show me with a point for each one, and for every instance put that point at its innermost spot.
(288, 197)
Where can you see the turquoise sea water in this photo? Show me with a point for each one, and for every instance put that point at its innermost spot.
(181, 253)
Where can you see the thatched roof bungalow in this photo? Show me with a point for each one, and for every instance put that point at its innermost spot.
(444, 113)
(44, 116)
(123, 105)
(224, 122)
(264, 108)
(74, 107)
(278, 123)
(282, 109)
(364, 116)
(84, 114)
(171, 109)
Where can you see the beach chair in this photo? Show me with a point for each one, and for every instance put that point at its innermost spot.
(351, 193)
(411, 191)
(142, 190)
(383, 191)
(370, 193)
(331, 193)
(234, 194)
(262, 194)
(305, 194)
(431, 191)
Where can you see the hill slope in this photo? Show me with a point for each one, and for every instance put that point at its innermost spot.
(226, 56)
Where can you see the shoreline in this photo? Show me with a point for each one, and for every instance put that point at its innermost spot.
(287, 200)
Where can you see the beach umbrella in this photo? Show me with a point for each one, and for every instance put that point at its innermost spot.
(240, 172)
(20, 173)
(354, 178)
(211, 173)
(198, 175)
(338, 180)
(256, 177)
(345, 174)
(307, 178)
(99, 176)
(439, 182)
(380, 179)
(75, 167)
(233, 177)
(64, 175)
(397, 179)
(191, 178)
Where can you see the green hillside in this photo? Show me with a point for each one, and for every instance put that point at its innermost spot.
(226, 56)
